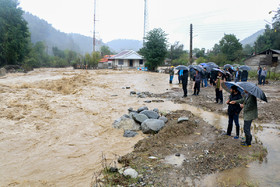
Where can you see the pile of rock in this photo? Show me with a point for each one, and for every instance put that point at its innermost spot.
(141, 94)
(149, 121)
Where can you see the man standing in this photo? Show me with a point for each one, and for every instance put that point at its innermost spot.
(244, 76)
(237, 75)
(197, 79)
(233, 111)
(259, 75)
(205, 78)
(171, 74)
(263, 75)
(249, 103)
(219, 90)
(180, 75)
(185, 82)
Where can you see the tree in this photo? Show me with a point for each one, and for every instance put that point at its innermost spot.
(199, 52)
(231, 47)
(14, 34)
(176, 51)
(155, 48)
(248, 50)
(95, 58)
(105, 50)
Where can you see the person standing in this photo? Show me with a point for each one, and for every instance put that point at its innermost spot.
(171, 74)
(185, 82)
(219, 90)
(233, 111)
(197, 79)
(249, 104)
(237, 75)
(263, 75)
(180, 75)
(205, 78)
(244, 76)
(259, 75)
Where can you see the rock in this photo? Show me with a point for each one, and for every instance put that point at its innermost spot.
(113, 170)
(148, 101)
(126, 124)
(114, 95)
(163, 118)
(132, 93)
(150, 114)
(177, 154)
(130, 172)
(127, 87)
(2, 72)
(125, 116)
(130, 109)
(142, 96)
(150, 126)
(181, 119)
(140, 118)
(129, 133)
(131, 114)
(142, 109)
(156, 110)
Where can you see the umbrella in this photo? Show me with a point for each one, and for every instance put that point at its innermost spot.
(198, 68)
(227, 66)
(181, 67)
(212, 64)
(247, 68)
(191, 66)
(249, 87)
(208, 68)
(203, 64)
(227, 86)
(219, 70)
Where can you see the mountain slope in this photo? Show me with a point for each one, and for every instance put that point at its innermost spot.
(251, 39)
(124, 44)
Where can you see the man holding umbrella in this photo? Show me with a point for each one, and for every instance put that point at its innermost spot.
(197, 79)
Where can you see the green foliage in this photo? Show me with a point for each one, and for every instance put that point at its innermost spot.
(248, 50)
(176, 51)
(14, 34)
(105, 50)
(199, 52)
(201, 60)
(95, 58)
(182, 60)
(220, 59)
(231, 47)
(155, 48)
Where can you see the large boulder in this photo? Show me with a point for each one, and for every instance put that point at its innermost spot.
(152, 126)
(150, 114)
(130, 172)
(142, 109)
(163, 118)
(126, 124)
(140, 118)
(129, 133)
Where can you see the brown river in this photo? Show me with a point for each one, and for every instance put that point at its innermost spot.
(55, 124)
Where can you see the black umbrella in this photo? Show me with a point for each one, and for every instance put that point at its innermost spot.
(246, 68)
(227, 86)
(219, 70)
(198, 68)
(228, 66)
(208, 68)
(253, 89)
(181, 67)
(212, 64)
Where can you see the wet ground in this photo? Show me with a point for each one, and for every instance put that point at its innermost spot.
(56, 123)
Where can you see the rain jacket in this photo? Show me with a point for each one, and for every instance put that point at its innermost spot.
(250, 107)
(234, 109)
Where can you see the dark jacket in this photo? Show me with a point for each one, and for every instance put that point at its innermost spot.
(234, 109)
(238, 75)
(250, 107)
(197, 77)
(244, 75)
(185, 77)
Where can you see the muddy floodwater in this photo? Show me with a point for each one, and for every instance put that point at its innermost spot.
(55, 125)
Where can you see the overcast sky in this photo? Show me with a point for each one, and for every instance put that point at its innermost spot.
(124, 19)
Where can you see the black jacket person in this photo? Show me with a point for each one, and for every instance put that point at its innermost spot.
(185, 82)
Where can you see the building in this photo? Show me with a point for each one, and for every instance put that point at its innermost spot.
(105, 62)
(269, 58)
(127, 59)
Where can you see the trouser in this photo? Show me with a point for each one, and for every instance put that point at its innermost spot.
(247, 131)
(231, 118)
(196, 88)
(259, 80)
(180, 79)
(185, 88)
(205, 82)
(219, 95)
(171, 79)
(262, 80)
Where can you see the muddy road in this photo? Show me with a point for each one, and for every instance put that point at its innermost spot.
(56, 123)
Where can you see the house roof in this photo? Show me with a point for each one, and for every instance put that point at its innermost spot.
(128, 54)
(274, 51)
(106, 58)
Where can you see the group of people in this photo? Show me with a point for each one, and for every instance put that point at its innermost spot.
(235, 102)
(262, 73)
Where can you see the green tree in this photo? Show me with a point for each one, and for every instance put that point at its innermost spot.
(94, 59)
(155, 48)
(201, 60)
(199, 52)
(176, 51)
(14, 34)
(105, 50)
(231, 47)
(182, 60)
(248, 50)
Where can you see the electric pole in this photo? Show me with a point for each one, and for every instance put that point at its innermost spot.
(191, 37)
(94, 21)
(145, 20)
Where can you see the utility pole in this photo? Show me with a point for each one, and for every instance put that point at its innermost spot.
(191, 37)
(94, 21)
(145, 20)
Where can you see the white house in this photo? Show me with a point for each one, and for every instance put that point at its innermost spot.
(127, 59)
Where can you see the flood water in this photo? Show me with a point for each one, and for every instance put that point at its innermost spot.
(55, 124)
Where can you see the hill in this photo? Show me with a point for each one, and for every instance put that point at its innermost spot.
(41, 30)
(122, 44)
(251, 39)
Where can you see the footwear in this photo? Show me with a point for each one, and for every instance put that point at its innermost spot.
(245, 145)
(236, 137)
(226, 134)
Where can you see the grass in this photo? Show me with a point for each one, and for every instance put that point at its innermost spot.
(270, 75)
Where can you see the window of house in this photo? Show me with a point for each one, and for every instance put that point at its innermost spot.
(141, 62)
(120, 62)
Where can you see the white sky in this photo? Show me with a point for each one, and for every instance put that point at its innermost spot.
(124, 19)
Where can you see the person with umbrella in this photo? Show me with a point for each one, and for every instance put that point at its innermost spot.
(233, 111)
(197, 79)
(205, 77)
(185, 82)
(244, 76)
(249, 104)
(171, 74)
(237, 75)
(219, 90)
